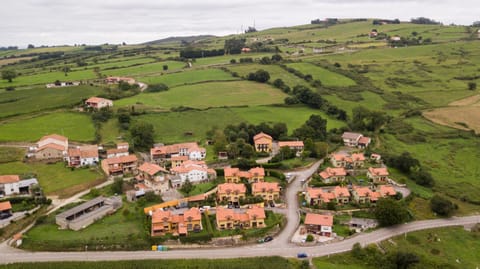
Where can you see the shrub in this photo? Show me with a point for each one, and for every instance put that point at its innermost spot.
(310, 238)
(10, 88)
(160, 87)
(442, 206)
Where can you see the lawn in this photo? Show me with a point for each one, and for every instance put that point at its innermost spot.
(170, 127)
(189, 77)
(48, 77)
(201, 188)
(436, 248)
(144, 69)
(110, 131)
(275, 71)
(328, 78)
(55, 179)
(126, 225)
(38, 99)
(75, 126)
(214, 94)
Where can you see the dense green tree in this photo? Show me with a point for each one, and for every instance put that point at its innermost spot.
(403, 260)
(187, 187)
(234, 45)
(9, 74)
(389, 212)
(260, 75)
(141, 135)
(117, 186)
(219, 141)
(159, 87)
(442, 206)
(472, 86)
(315, 127)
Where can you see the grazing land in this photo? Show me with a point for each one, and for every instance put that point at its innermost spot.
(328, 78)
(189, 77)
(76, 126)
(214, 94)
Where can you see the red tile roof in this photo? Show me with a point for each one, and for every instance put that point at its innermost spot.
(121, 159)
(364, 140)
(231, 172)
(5, 206)
(262, 138)
(330, 172)
(257, 171)
(387, 190)
(52, 146)
(96, 100)
(382, 171)
(265, 187)
(227, 188)
(9, 179)
(317, 219)
(151, 168)
(175, 148)
(358, 157)
(290, 143)
(223, 214)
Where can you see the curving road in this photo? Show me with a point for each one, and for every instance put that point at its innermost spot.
(280, 246)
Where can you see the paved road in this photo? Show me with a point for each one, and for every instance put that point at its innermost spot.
(273, 248)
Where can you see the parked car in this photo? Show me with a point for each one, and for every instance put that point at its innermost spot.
(268, 239)
(5, 215)
(302, 255)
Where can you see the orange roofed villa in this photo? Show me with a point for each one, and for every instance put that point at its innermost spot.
(154, 177)
(269, 191)
(120, 165)
(177, 222)
(193, 171)
(231, 192)
(234, 175)
(194, 152)
(378, 175)
(98, 102)
(320, 196)
(240, 218)
(263, 142)
(350, 161)
(296, 146)
(331, 175)
(319, 224)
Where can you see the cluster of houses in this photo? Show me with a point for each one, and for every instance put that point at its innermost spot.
(345, 195)
(180, 222)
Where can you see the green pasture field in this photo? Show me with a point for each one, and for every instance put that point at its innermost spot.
(275, 72)
(170, 127)
(239, 263)
(213, 94)
(37, 99)
(224, 60)
(9, 154)
(109, 131)
(436, 248)
(328, 78)
(48, 77)
(188, 77)
(370, 100)
(75, 126)
(145, 69)
(118, 63)
(56, 179)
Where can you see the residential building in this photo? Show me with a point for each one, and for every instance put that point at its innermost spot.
(363, 195)
(98, 103)
(85, 214)
(120, 165)
(319, 224)
(178, 160)
(5, 208)
(269, 191)
(83, 156)
(12, 185)
(231, 192)
(194, 171)
(319, 196)
(234, 175)
(51, 147)
(296, 146)
(165, 153)
(240, 218)
(331, 175)
(154, 177)
(263, 142)
(376, 157)
(176, 222)
(119, 151)
(355, 160)
(378, 175)
(355, 140)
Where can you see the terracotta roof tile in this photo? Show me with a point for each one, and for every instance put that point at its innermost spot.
(5, 206)
(9, 179)
(318, 219)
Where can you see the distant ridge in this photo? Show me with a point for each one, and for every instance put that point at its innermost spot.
(174, 39)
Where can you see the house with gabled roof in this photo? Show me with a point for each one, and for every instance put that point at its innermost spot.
(378, 175)
(154, 177)
(351, 139)
(319, 196)
(119, 151)
(98, 102)
(52, 146)
(234, 175)
(231, 192)
(178, 222)
(83, 156)
(296, 146)
(240, 218)
(269, 191)
(319, 224)
(331, 175)
(164, 153)
(120, 165)
(193, 171)
(263, 142)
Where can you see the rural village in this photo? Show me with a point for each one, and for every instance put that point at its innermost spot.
(151, 152)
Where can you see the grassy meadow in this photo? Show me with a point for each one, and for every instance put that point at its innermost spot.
(188, 77)
(213, 94)
(328, 78)
(76, 126)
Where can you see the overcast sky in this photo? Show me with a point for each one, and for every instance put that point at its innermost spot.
(56, 22)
